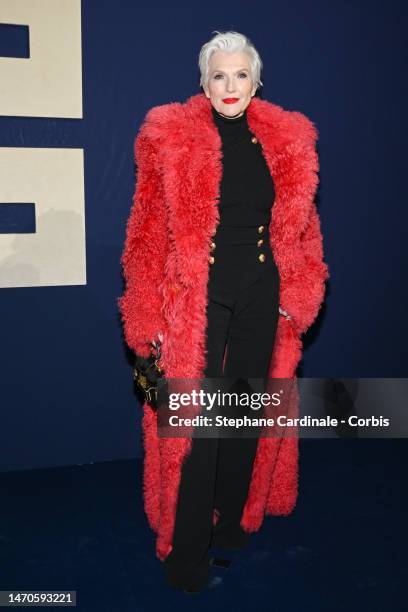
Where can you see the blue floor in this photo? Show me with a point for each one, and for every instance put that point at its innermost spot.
(344, 547)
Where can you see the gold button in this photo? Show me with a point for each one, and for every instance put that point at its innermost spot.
(212, 245)
(261, 229)
(261, 257)
(260, 242)
(211, 259)
(254, 139)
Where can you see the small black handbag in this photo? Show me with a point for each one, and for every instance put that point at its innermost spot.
(149, 376)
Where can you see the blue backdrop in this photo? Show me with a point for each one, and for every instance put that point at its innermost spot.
(66, 383)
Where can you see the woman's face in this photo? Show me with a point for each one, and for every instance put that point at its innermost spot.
(230, 86)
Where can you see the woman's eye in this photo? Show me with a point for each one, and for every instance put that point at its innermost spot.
(241, 74)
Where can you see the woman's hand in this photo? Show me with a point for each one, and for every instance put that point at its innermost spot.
(285, 314)
(157, 344)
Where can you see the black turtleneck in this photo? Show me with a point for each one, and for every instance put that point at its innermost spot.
(247, 189)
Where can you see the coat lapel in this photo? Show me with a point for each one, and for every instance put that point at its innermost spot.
(192, 184)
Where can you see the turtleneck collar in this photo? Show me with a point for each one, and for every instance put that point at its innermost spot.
(231, 130)
(228, 119)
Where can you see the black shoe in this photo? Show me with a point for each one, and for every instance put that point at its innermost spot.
(219, 562)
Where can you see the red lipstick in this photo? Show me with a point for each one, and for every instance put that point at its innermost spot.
(230, 100)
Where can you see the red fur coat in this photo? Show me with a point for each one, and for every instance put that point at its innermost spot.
(166, 266)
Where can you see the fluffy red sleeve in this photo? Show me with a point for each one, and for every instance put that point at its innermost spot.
(304, 289)
(144, 254)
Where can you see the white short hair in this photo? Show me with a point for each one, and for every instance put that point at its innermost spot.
(230, 42)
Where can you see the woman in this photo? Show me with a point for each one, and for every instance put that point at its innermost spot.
(223, 263)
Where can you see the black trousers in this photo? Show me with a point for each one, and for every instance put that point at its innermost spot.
(242, 315)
